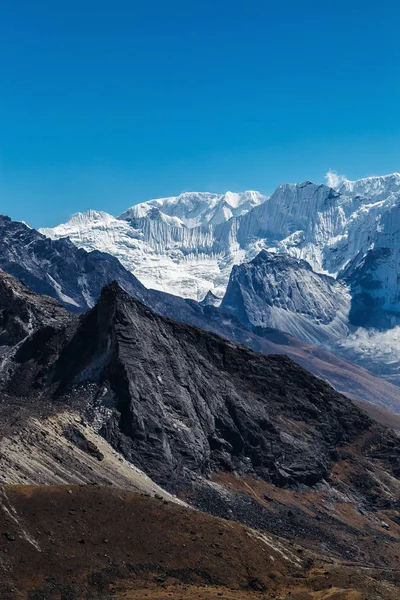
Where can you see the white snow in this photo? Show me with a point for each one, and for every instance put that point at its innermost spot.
(170, 244)
(187, 244)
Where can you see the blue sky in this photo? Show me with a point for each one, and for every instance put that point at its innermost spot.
(105, 104)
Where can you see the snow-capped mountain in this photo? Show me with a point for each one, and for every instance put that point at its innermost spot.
(347, 230)
(282, 292)
(184, 245)
(194, 209)
(187, 244)
(376, 188)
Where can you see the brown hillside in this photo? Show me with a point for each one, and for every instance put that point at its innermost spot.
(89, 542)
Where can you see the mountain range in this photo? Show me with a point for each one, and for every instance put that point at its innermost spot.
(124, 407)
(339, 242)
(75, 278)
(123, 396)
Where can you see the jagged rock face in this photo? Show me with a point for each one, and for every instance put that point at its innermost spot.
(225, 427)
(22, 311)
(188, 403)
(58, 268)
(284, 293)
(46, 342)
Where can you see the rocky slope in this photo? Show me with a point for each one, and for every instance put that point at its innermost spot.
(22, 311)
(58, 268)
(340, 373)
(282, 292)
(276, 290)
(244, 436)
(107, 543)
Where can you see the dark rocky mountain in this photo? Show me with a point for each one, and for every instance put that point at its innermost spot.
(58, 268)
(75, 277)
(22, 311)
(210, 299)
(190, 402)
(239, 434)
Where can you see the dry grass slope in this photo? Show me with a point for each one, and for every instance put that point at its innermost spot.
(91, 542)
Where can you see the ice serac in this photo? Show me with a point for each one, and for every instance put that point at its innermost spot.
(185, 245)
(282, 292)
(194, 209)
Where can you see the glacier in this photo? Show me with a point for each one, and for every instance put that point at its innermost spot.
(187, 245)
(183, 245)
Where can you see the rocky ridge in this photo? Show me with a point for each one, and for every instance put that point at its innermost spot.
(58, 268)
(241, 435)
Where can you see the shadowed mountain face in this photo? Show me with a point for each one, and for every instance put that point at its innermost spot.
(241, 435)
(58, 268)
(22, 311)
(190, 402)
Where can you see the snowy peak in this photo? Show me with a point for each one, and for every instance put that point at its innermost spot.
(187, 244)
(80, 224)
(375, 188)
(91, 216)
(194, 209)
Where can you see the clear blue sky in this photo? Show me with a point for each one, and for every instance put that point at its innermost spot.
(107, 103)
